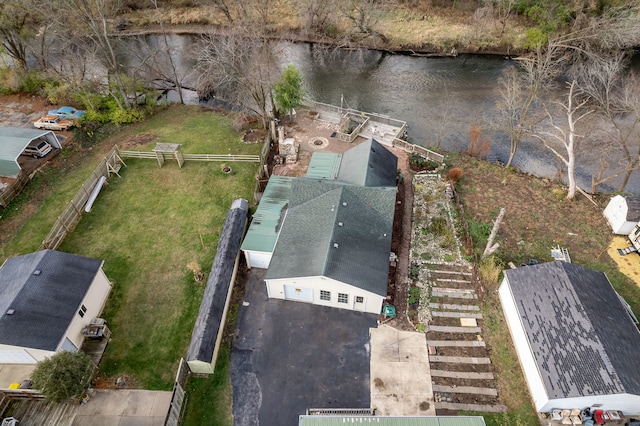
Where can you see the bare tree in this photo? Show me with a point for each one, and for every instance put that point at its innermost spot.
(615, 94)
(364, 16)
(174, 73)
(239, 68)
(567, 136)
(92, 18)
(316, 15)
(19, 20)
(519, 90)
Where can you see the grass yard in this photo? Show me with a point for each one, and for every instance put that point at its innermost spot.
(147, 226)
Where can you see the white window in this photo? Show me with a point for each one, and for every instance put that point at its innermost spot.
(343, 298)
(325, 295)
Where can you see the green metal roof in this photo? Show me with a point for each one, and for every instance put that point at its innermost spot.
(350, 227)
(391, 421)
(324, 165)
(368, 164)
(13, 140)
(267, 220)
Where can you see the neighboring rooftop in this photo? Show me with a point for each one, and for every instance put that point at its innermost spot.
(267, 220)
(392, 421)
(633, 209)
(39, 295)
(581, 335)
(368, 164)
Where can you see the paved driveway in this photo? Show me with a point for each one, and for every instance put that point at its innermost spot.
(290, 356)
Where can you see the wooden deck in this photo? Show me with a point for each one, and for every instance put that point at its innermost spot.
(44, 413)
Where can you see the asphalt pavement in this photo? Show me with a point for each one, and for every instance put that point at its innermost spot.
(289, 356)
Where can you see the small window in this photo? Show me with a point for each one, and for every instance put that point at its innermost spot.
(359, 299)
(343, 298)
(82, 311)
(325, 295)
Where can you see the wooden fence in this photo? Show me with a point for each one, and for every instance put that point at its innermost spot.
(179, 396)
(262, 175)
(72, 214)
(426, 153)
(194, 157)
(14, 188)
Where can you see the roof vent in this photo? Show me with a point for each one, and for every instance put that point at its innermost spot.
(11, 311)
(340, 223)
(37, 272)
(335, 245)
(344, 203)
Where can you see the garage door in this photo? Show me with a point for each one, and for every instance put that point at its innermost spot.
(258, 259)
(298, 293)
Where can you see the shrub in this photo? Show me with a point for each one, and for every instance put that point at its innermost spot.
(414, 271)
(414, 295)
(438, 225)
(65, 375)
(454, 175)
(421, 163)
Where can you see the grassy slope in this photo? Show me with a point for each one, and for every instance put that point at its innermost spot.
(147, 225)
(538, 217)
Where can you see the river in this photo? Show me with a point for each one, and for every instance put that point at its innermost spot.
(439, 98)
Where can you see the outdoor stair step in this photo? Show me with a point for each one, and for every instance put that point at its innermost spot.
(452, 280)
(453, 329)
(437, 271)
(462, 375)
(465, 389)
(459, 359)
(456, 343)
(485, 408)
(455, 293)
(456, 314)
(453, 307)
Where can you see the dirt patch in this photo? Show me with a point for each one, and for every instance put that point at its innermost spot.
(254, 136)
(136, 140)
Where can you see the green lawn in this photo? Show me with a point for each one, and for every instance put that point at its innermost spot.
(147, 226)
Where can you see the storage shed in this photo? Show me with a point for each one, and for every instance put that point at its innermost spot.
(207, 332)
(576, 342)
(46, 299)
(622, 214)
(13, 141)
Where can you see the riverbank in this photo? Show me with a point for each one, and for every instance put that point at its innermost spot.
(439, 31)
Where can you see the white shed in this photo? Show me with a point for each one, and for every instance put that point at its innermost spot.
(622, 214)
(577, 344)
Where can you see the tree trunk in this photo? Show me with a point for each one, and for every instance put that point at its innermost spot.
(490, 248)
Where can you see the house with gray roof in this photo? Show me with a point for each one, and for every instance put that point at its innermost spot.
(326, 238)
(46, 299)
(576, 341)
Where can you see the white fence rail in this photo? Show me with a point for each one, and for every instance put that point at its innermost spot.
(195, 157)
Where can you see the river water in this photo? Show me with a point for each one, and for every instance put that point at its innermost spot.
(439, 98)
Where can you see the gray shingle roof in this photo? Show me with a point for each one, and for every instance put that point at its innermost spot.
(633, 209)
(207, 328)
(322, 214)
(368, 164)
(44, 304)
(581, 336)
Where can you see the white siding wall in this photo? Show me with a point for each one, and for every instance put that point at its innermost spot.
(36, 354)
(94, 301)
(372, 302)
(628, 404)
(521, 343)
(257, 259)
(616, 214)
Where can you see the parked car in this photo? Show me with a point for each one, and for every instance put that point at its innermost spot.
(67, 112)
(37, 149)
(53, 122)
